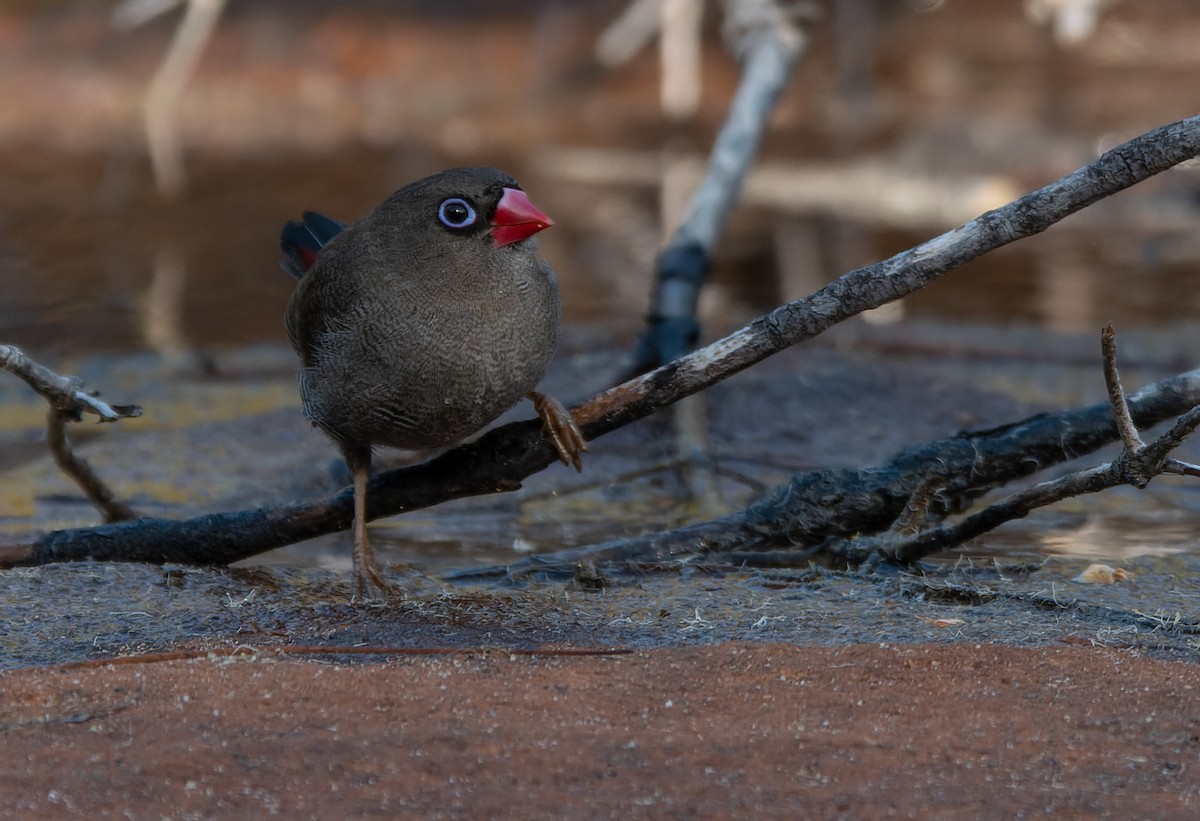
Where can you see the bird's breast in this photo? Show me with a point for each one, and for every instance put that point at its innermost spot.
(421, 370)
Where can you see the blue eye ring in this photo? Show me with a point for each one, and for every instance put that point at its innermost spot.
(456, 213)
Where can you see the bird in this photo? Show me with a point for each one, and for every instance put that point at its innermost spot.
(421, 323)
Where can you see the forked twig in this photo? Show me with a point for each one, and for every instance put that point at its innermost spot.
(1116, 394)
(1137, 464)
(80, 472)
(69, 401)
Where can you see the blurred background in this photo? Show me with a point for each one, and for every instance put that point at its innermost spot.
(903, 118)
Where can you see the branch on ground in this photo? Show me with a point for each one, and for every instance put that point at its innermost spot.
(1136, 466)
(855, 516)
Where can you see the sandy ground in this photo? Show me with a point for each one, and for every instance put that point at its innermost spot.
(721, 705)
(731, 730)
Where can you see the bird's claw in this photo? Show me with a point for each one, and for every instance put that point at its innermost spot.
(564, 434)
(370, 584)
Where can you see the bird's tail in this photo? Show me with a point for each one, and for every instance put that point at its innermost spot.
(301, 241)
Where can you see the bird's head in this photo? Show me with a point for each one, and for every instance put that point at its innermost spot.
(483, 202)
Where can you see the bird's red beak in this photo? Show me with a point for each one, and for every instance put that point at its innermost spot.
(516, 218)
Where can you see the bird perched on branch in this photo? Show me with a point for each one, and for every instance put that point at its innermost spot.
(423, 322)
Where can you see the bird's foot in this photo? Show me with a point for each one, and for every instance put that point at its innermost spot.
(368, 581)
(370, 584)
(564, 434)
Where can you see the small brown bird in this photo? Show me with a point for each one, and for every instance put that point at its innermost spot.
(423, 322)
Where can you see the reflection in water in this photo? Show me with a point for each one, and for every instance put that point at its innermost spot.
(162, 307)
(1095, 536)
(71, 262)
(1066, 290)
(1121, 538)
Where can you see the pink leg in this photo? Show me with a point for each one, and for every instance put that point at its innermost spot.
(365, 571)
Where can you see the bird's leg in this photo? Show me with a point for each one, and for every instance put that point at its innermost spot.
(365, 570)
(564, 434)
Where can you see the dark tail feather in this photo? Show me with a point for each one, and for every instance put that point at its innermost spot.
(301, 241)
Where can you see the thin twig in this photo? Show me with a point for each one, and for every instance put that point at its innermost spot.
(1158, 450)
(334, 650)
(80, 472)
(1116, 394)
(65, 393)
(70, 718)
(1139, 463)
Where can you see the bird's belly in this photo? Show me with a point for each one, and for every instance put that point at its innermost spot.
(423, 396)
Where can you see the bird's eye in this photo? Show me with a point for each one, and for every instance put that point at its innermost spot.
(456, 213)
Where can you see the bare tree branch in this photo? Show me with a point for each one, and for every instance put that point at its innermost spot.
(64, 393)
